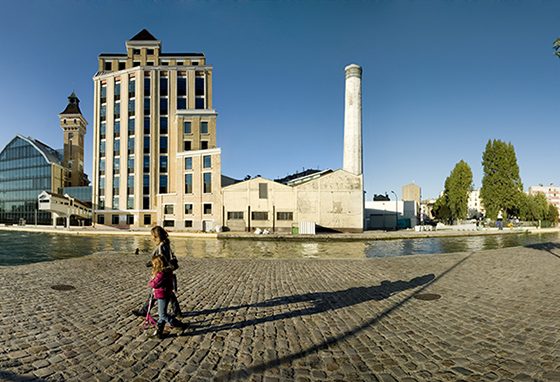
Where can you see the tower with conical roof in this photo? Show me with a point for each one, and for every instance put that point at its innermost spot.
(74, 125)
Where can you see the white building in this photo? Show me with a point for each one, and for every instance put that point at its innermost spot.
(475, 205)
(551, 192)
(387, 214)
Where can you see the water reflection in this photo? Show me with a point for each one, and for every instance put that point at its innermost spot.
(23, 247)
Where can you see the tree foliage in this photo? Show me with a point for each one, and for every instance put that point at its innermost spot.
(501, 184)
(556, 47)
(537, 208)
(453, 204)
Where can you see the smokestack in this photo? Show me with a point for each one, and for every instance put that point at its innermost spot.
(352, 161)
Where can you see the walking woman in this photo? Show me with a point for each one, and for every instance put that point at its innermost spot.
(163, 249)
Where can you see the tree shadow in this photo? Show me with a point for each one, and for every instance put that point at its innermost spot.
(316, 302)
(8, 376)
(548, 247)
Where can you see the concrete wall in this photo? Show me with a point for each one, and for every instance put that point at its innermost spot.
(333, 201)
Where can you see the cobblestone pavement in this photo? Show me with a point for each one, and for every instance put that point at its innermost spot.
(283, 320)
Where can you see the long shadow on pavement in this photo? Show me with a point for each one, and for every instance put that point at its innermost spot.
(548, 247)
(316, 302)
(424, 282)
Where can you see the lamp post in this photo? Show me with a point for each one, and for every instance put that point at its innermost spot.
(396, 210)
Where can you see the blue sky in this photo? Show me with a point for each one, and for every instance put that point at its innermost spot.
(440, 78)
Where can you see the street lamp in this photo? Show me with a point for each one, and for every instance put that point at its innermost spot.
(396, 210)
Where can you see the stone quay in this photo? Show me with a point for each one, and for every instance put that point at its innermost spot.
(482, 316)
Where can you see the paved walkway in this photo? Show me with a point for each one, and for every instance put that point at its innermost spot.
(497, 319)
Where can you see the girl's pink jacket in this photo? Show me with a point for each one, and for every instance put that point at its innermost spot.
(162, 284)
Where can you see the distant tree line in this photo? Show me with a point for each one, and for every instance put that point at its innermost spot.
(502, 189)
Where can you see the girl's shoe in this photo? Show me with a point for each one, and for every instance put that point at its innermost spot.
(159, 331)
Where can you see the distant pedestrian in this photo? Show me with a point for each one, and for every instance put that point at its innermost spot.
(163, 249)
(162, 284)
(500, 221)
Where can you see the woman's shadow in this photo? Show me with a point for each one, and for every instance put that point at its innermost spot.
(316, 302)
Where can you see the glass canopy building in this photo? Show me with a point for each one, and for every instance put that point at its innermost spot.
(27, 167)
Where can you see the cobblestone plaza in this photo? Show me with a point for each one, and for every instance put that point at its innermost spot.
(482, 316)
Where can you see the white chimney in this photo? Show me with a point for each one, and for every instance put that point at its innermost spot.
(352, 161)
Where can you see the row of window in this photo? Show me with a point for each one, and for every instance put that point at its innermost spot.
(259, 215)
(163, 163)
(163, 127)
(169, 209)
(121, 65)
(163, 92)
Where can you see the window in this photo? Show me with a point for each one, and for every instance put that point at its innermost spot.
(188, 184)
(263, 191)
(146, 164)
(187, 145)
(122, 65)
(146, 185)
(163, 145)
(188, 209)
(207, 180)
(116, 181)
(163, 163)
(147, 106)
(130, 203)
(207, 161)
(169, 223)
(163, 184)
(117, 111)
(199, 103)
(188, 163)
(129, 219)
(168, 209)
(130, 145)
(149, 51)
(103, 112)
(108, 65)
(163, 106)
(131, 88)
(130, 185)
(147, 86)
(199, 85)
(204, 145)
(207, 208)
(131, 126)
(181, 86)
(235, 215)
(188, 223)
(131, 110)
(100, 219)
(115, 203)
(146, 202)
(117, 91)
(187, 127)
(116, 167)
(130, 165)
(117, 129)
(163, 125)
(147, 125)
(146, 145)
(117, 147)
(103, 130)
(163, 86)
(114, 219)
(203, 127)
(147, 219)
(136, 63)
(181, 103)
(102, 149)
(135, 51)
(284, 216)
(259, 215)
(103, 96)
(102, 167)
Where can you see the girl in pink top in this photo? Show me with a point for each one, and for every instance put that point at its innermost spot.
(162, 284)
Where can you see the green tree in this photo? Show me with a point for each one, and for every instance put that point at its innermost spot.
(501, 184)
(552, 215)
(453, 204)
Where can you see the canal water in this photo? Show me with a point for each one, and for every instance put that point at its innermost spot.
(23, 247)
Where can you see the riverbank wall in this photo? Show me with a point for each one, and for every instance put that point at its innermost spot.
(364, 236)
